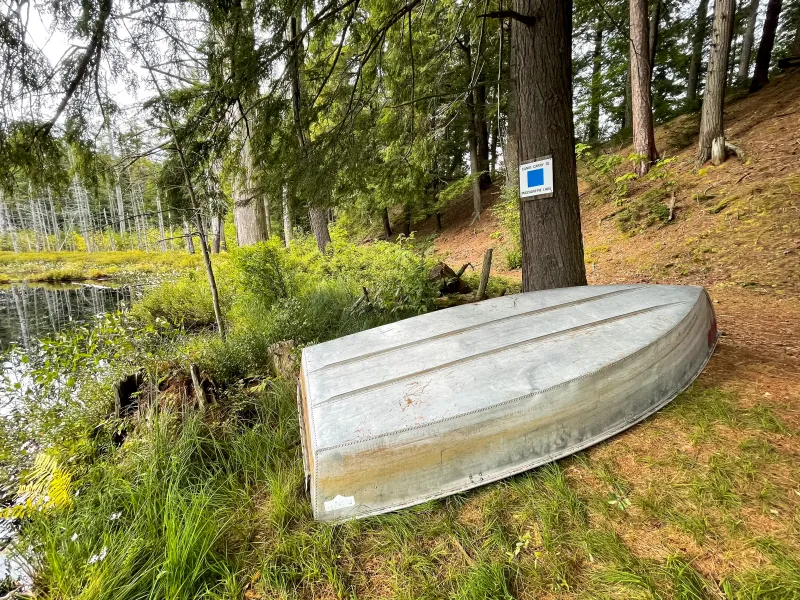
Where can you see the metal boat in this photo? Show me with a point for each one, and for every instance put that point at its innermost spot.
(450, 400)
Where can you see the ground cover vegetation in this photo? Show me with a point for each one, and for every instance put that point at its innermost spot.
(270, 177)
(173, 497)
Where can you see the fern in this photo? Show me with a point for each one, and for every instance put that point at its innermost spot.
(47, 486)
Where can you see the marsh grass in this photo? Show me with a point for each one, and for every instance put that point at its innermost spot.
(80, 266)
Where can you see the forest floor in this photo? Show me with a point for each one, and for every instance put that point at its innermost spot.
(735, 231)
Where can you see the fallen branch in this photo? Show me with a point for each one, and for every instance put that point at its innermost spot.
(671, 208)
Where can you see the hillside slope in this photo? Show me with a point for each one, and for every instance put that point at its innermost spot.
(736, 231)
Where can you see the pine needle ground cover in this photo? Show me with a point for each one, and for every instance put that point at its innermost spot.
(176, 499)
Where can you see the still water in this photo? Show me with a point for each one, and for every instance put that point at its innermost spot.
(31, 312)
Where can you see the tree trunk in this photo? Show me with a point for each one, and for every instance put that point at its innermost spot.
(216, 233)
(550, 228)
(163, 242)
(701, 23)
(596, 94)
(317, 216)
(267, 224)
(627, 116)
(287, 214)
(655, 24)
(764, 56)
(495, 136)
(476, 184)
(644, 142)
(794, 49)
(248, 211)
(387, 226)
(712, 132)
(512, 146)
(747, 41)
(481, 128)
(187, 236)
(473, 134)
(319, 226)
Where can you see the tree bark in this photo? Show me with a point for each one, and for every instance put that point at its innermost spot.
(655, 24)
(473, 134)
(701, 24)
(712, 132)
(747, 41)
(216, 233)
(550, 228)
(287, 214)
(512, 146)
(387, 226)
(248, 211)
(644, 142)
(187, 236)
(627, 116)
(318, 217)
(481, 128)
(161, 230)
(794, 49)
(596, 94)
(764, 56)
(267, 223)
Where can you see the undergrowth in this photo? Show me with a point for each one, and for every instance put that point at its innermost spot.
(179, 501)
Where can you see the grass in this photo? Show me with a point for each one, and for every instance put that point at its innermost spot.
(697, 502)
(79, 266)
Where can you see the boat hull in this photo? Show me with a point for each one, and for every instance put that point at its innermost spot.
(449, 401)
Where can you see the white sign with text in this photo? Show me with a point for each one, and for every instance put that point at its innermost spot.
(536, 178)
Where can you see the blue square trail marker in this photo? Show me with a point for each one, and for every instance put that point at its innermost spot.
(536, 179)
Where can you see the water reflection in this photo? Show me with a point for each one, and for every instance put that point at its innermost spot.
(28, 313)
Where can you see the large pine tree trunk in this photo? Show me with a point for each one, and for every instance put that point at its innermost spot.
(747, 41)
(712, 132)
(644, 142)
(552, 244)
(764, 56)
(699, 37)
(597, 83)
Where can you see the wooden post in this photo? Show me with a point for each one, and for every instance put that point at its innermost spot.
(487, 267)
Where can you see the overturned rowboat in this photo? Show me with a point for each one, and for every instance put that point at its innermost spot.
(447, 401)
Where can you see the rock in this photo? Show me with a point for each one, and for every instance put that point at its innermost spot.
(281, 362)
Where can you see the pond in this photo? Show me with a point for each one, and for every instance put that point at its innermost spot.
(31, 312)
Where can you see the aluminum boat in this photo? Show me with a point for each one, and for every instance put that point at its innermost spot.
(454, 399)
